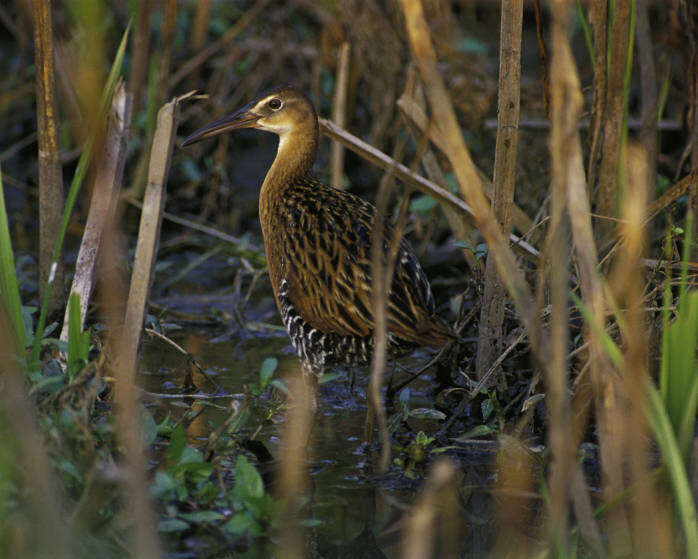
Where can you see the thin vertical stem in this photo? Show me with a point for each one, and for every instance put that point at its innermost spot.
(339, 110)
(619, 38)
(50, 172)
(494, 299)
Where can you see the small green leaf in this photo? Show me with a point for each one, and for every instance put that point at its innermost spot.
(176, 446)
(267, 371)
(172, 525)
(487, 408)
(203, 516)
(423, 204)
(479, 431)
(427, 413)
(241, 524)
(248, 482)
(149, 430)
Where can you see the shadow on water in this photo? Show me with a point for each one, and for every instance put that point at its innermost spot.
(354, 512)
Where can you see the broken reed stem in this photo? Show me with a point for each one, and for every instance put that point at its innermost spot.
(105, 196)
(49, 534)
(149, 230)
(434, 512)
(619, 37)
(339, 111)
(494, 297)
(50, 171)
(128, 415)
(466, 174)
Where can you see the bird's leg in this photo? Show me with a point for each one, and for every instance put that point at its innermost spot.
(308, 399)
(310, 382)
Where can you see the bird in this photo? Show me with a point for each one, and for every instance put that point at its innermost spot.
(317, 241)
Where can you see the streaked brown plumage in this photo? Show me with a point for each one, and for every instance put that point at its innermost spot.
(318, 245)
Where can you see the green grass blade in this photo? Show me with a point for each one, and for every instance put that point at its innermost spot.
(587, 30)
(78, 341)
(666, 306)
(75, 186)
(686, 370)
(685, 256)
(9, 288)
(664, 434)
(612, 350)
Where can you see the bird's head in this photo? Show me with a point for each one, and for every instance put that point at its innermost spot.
(281, 110)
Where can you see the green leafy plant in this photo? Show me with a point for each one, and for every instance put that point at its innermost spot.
(9, 289)
(266, 374)
(78, 341)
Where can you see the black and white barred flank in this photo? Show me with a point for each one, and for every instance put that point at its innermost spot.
(318, 350)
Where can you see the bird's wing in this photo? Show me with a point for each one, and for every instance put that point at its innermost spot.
(327, 255)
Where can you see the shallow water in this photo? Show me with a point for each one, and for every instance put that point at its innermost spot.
(358, 513)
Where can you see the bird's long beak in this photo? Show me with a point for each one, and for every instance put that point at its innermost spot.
(242, 118)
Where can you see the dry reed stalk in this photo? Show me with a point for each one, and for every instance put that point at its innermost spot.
(48, 534)
(671, 195)
(105, 196)
(466, 174)
(403, 173)
(516, 477)
(339, 113)
(50, 172)
(197, 39)
(140, 53)
(149, 230)
(566, 146)
(649, 132)
(565, 108)
(112, 294)
(201, 57)
(629, 287)
(169, 21)
(598, 20)
(494, 297)
(414, 110)
(461, 227)
(435, 511)
(543, 55)
(619, 37)
(293, 482)
(125, 337)
(382, 267)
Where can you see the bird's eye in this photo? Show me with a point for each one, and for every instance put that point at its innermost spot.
(275, 104)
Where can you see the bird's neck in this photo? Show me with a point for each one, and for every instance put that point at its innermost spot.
(293, 162)
(294, 158)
